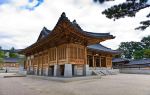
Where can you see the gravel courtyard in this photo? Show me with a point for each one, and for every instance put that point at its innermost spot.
(122, 84)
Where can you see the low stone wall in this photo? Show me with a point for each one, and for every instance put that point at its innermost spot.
(22, 71)
(2, 71)
(10, 70)
(135, 71)
(104, 71)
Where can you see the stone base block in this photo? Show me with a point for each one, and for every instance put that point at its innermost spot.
(68, 70)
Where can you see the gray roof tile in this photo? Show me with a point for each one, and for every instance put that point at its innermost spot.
(117, 60)
(12, 60)
(139, 62)
(99, 47)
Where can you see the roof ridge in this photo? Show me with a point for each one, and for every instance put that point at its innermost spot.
(97, 33)
(63, 16)
(44, 32)
(74, 22)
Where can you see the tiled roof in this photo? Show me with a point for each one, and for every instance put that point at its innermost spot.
(12, 51)
(11, 60)
(92, 34)
(100, 35)
(99, 47)
(117, 60)
(139, 62)
(43, 33)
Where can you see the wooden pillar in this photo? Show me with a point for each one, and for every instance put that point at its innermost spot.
(29, 63)
(38, 63)
(48, 59)
(42, 60)
(56, 55)
(33, 64)
(67, 53)
(88, 60)
(76, 53)
(93, 61)
(106, 61)
(24, 63)
(111, 61)
(85, 52)
(100, 60)
(49, 56)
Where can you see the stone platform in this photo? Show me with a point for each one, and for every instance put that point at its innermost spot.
(63, 79)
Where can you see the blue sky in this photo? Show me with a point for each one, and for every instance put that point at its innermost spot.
(35, 3)
(22, 20)
(4, 1)
(38, 3)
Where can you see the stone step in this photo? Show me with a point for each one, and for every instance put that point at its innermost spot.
(14, 76)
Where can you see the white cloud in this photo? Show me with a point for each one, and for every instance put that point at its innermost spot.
(23, 26)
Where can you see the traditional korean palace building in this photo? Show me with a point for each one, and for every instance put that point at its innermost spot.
(67, 51)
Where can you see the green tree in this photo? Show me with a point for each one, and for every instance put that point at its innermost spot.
(1, 58)
(12, 53)
(146, 42)
(129, 8)
(12, 49)
(117, 56)
(136, 50)
(147, 53)
(1, 63)
(2, 54)
(128, 48)
(138, 54)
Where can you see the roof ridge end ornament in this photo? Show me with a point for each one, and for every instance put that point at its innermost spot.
(74, 21)
(76, 24)
(44, 28)
(63, 14)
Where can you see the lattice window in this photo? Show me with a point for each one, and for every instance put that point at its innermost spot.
(64, 53)
(80, 53)
(109, 63)
(61, 53)
(52, 54)
(71, 53)
(46, 58)
(77, 52)
(103, 61)
(36, 61)
(41, 59)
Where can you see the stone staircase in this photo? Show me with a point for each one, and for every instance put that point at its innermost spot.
(104, 72)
